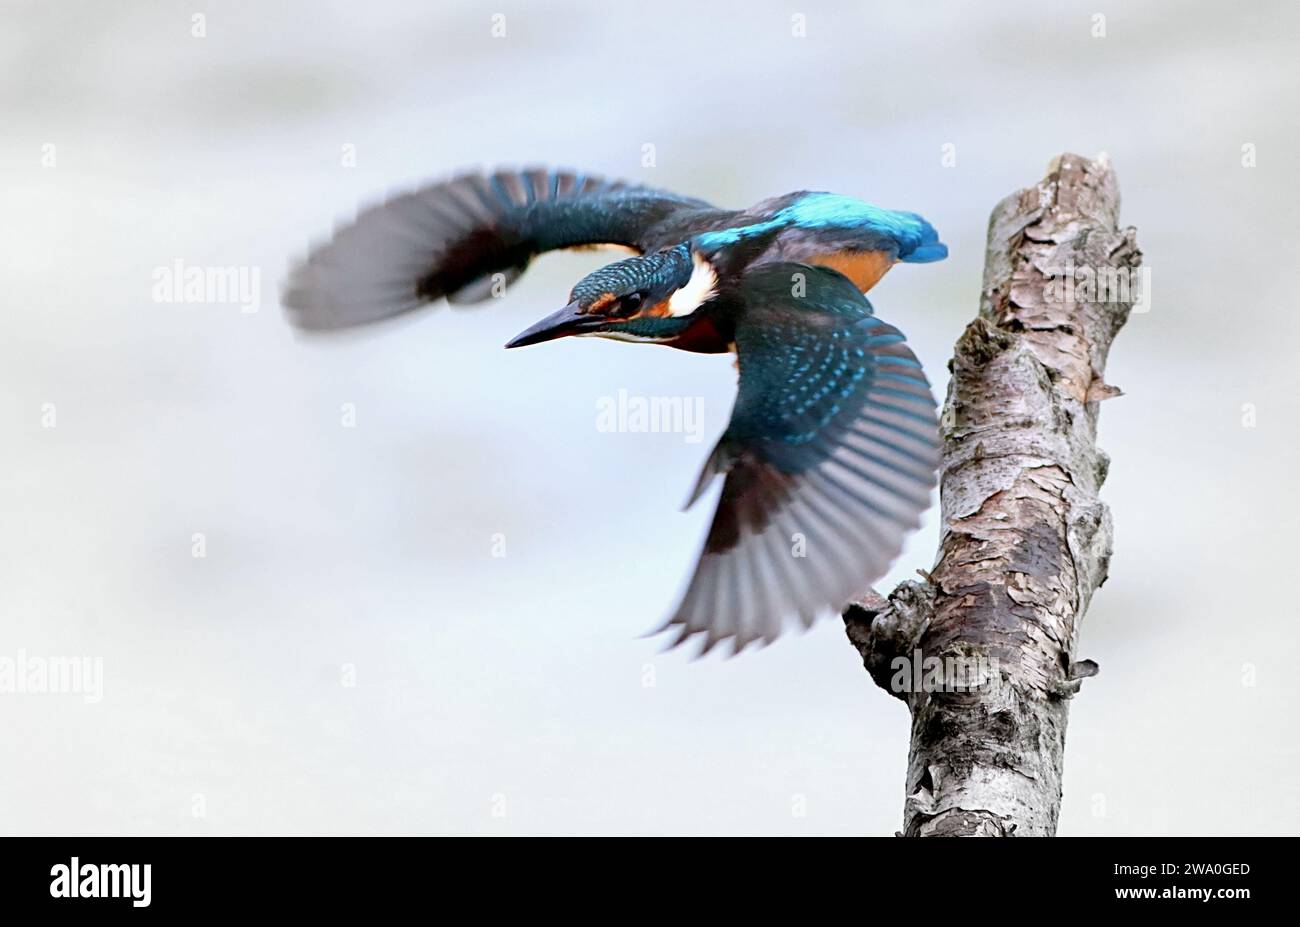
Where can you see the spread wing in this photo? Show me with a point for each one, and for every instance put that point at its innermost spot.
(461, 237)
(830, 457)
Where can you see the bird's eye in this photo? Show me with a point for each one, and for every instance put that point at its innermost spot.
(629, 304)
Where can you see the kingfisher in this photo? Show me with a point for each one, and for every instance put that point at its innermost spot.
(831, 452)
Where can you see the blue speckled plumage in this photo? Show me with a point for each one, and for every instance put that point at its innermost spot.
(656, 272)
(831, 444)
(831, 451)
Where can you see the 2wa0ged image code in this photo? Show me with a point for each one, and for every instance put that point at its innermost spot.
(1185, 870)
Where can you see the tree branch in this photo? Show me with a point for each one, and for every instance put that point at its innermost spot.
(982, 652)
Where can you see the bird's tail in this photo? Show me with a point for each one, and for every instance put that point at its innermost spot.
(928, 248)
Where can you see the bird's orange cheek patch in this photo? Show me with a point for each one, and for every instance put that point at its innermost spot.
(659, 310)
(601, 303)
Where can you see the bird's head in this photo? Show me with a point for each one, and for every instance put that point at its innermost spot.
(650, 297)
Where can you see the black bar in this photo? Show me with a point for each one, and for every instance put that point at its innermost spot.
(332, 876)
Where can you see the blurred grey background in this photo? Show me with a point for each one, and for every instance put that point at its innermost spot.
(349, 656)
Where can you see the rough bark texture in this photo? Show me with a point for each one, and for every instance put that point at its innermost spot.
(1025, 541)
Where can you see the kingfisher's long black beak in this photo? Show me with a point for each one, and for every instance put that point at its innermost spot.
(568, 321)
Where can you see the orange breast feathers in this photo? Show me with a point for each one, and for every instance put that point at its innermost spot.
(864, 268)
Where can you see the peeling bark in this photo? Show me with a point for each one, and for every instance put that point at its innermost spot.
(982, 651)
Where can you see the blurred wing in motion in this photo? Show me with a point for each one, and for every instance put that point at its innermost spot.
(454, 238)
(830, 457)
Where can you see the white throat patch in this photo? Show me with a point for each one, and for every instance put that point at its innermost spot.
(702, 285)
